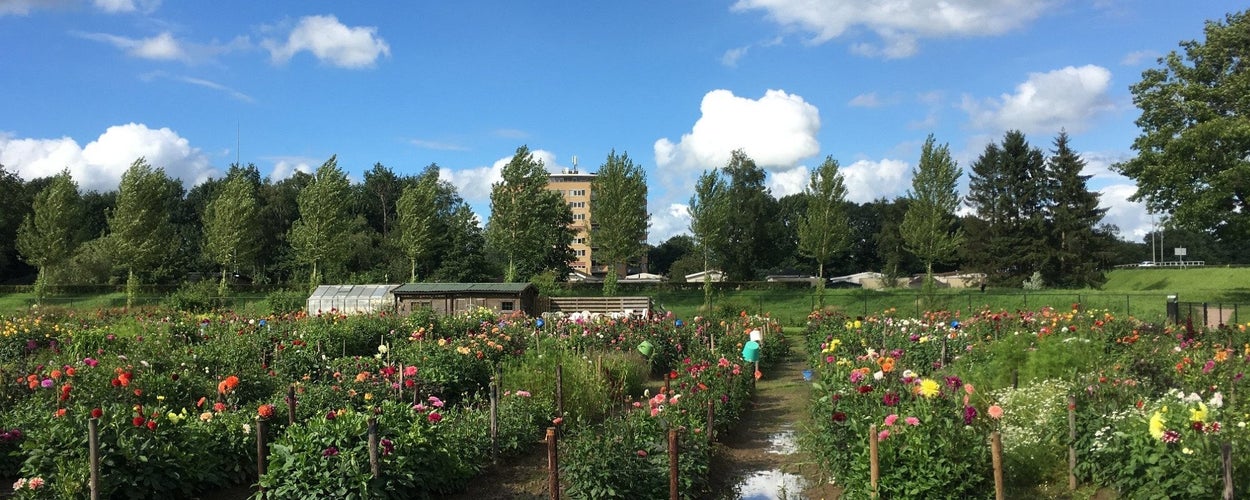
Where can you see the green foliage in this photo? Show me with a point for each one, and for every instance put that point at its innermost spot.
(1080, 250)
(286, 301)
(927, 226)
(529, 225)
(49, 235)
(321, 235)
(619, 205)
(709, 219)
(140, 227)
(417, 214)
(231, 226)
(196, 297)
(1191, 153)
(1009, 190)
(824, 230)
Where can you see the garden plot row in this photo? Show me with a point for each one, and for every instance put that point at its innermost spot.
(177, 399)
(1081, 399)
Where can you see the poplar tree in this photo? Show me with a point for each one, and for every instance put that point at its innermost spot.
(139, 225)
(749, 235)
(417, 215)
(529, 225)
(49, 235)
(824, 230)
(619, 207)
(709, 217)
(928, 226)
(232, 225)
(320, 237)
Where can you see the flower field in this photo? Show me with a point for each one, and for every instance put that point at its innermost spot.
(1145, 408)
(178, 399)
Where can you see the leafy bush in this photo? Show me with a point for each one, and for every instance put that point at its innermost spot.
(286, 301)
(196, 297)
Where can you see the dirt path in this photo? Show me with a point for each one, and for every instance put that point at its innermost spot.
(759, 458)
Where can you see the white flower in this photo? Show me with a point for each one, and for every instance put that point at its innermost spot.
(382, 349)
(247, 428)
(878, 375)
(1217, 400)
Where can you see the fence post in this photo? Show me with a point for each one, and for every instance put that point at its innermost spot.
(261, 446)
(1072, 443)
(494, 421)
(874, 472)
(1226, 455)
(996, 455)
(560, 391)
(553, 464)
(290, 405)
(374, 463)
(673, 490)
(93, 447)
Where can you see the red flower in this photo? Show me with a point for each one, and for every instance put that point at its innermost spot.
(839, 417)
(865, 389)
(151, 425)
(138, 421)
(97, 413)
(434, 417)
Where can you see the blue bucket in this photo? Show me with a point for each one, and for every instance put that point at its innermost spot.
(807, 375)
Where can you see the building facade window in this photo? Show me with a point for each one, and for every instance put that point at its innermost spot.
(579, 216)
(506, 305)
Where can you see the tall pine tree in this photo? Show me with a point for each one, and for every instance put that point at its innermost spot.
(1077, 245)
(1008, 190)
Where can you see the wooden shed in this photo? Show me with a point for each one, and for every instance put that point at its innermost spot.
(451, 298)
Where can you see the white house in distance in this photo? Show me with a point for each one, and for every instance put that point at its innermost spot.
(715, 275)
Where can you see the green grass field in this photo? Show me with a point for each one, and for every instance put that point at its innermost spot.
(1139, 292)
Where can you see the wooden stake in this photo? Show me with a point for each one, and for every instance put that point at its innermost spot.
(996, 454)
(290, 405)
(93, 447)
(673, 490)
(494, 422)
(553, 464)
(874, 471)
(560, 391)
(711, 421)
(262, 448)
(1072, 443)
(1226, 454)
(374, 463)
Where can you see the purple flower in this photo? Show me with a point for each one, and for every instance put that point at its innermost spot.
(47, 383)
(387, 447)
(954, 382)
(970, 413)
(890, 398)
(330, 452)
(330, 415)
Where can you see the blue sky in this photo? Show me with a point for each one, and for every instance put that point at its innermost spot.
(90, 85)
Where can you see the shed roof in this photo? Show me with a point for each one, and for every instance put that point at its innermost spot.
(420, 288)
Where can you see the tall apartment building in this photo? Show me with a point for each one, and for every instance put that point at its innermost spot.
(574, 186)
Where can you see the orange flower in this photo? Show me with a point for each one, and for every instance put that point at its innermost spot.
(56, 374)
(362, 376)
(1221, 355)
(228, 384)
(887, 364)
(265, 411)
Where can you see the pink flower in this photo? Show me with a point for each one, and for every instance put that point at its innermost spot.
(891, 419)
(410, 371)
(995, 412)
(723, 363)
(419, 407)
(90, 362)
(883, 434)
(21, 483)
(434, 417)
(524, 394)
(912, 421)
(35, 483)
(642, 453)
(435, 402)
(829, 359)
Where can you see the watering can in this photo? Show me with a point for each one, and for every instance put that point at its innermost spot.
(751, 351)
(646, 348)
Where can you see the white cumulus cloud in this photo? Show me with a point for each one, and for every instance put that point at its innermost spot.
(1069, 98)
(899, 24)
(332, 42)
(162, 47)
(667, 221)
(100, 164)
(777, 131)
(1131, 217)
(868, 180)
(788, 182)
(473, 184)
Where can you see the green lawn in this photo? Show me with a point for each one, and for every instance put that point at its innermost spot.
(1140, 292)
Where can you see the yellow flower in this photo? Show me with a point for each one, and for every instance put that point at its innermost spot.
(1198, 414)
(442, 342)
(928, 388)
(1156, 425)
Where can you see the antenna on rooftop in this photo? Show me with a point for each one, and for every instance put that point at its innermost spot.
(575, 164)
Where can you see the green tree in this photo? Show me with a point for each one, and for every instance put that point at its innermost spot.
(232, 226)
(417, 216)
(382, 189)
(1193, 154)
(928, 226)
(709, 220)
(660, 259)
(464, 258)
(279, 210)
(1079, 247)
(1008, 190)
(140, 227)
(15, 204)
(824, 231)
(49, 235)
(529, 225)
(752, 226)
(619, 207)
(320, 237)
